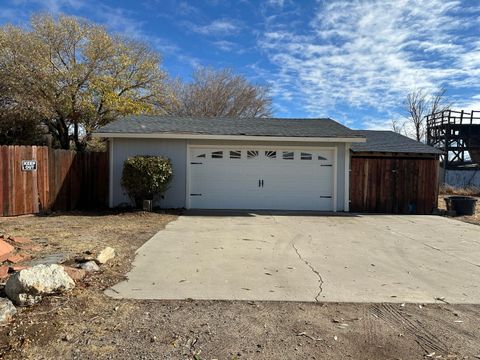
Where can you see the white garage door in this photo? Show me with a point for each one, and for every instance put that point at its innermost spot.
(261, 178)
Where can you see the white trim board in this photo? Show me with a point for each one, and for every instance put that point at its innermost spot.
(229, 137)
(263, 147)
(347, 178)
(335, 178)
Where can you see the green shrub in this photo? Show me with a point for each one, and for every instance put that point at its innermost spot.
(146, 177)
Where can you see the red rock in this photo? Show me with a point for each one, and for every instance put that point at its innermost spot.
(19, 239)
(18, 267)
(5, 250)
(3, 272)
(75, 274)
(17, 258)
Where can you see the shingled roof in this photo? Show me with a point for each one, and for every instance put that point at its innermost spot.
(377, 141)
(326, 128)
(391, 142)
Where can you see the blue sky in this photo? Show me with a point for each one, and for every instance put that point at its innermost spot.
(350, 60)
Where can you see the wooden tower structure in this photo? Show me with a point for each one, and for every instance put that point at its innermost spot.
(457, 133)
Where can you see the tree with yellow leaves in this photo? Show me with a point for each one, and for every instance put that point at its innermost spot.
(76, 76)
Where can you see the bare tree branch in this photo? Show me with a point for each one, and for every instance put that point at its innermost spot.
(418, 104)
(216, 93)
(398, 126)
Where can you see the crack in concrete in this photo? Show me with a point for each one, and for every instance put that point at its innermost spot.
(320, 279)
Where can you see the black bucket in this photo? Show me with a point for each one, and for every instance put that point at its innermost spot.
(462, 205)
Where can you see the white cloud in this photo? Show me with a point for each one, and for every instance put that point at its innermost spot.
(369, 54)
(184, 8)
(121, 21)
(278, 3)
(470, 104)
(219, 27)
(225, 45)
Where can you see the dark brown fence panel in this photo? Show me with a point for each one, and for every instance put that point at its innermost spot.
(63, 180)
(393, 185)
(80, 180)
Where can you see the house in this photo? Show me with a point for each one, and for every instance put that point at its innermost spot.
(259, 163)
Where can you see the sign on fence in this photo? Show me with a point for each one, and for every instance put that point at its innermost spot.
(29, 165)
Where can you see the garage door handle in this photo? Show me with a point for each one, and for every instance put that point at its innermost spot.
(259, 183)
(262, 183)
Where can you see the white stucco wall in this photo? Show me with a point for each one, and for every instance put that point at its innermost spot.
(176, 151)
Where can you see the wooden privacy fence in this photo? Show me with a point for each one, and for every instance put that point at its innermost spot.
(61, 180)
(393, 185)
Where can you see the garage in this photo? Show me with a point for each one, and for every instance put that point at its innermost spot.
(238, 163)
(277, 164)
(277, 178)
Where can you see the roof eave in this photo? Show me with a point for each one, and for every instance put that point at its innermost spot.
(404, 152)
(349, 139)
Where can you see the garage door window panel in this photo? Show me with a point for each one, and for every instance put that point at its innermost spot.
(305, 156)
(322, 157)
(252, 154)
(288, 155)
(217, 155)
(235, 154)
(271, 154)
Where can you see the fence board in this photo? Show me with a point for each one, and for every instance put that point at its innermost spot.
(64, 180)
(3, 177)
(393, 185)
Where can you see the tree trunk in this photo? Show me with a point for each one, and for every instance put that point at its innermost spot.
(79, 145)
(59, 131)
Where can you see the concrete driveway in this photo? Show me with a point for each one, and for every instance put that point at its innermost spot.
(365, 258)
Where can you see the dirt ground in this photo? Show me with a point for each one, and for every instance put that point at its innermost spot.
(86, 324)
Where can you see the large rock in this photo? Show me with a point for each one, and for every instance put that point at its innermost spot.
(26, 287)
(106, 254)
(75, 274)
(7, 310)
(3, 272)
(90, 266)
(5, 250)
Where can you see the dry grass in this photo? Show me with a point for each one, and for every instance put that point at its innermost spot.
(72, 234)
(446, 189)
